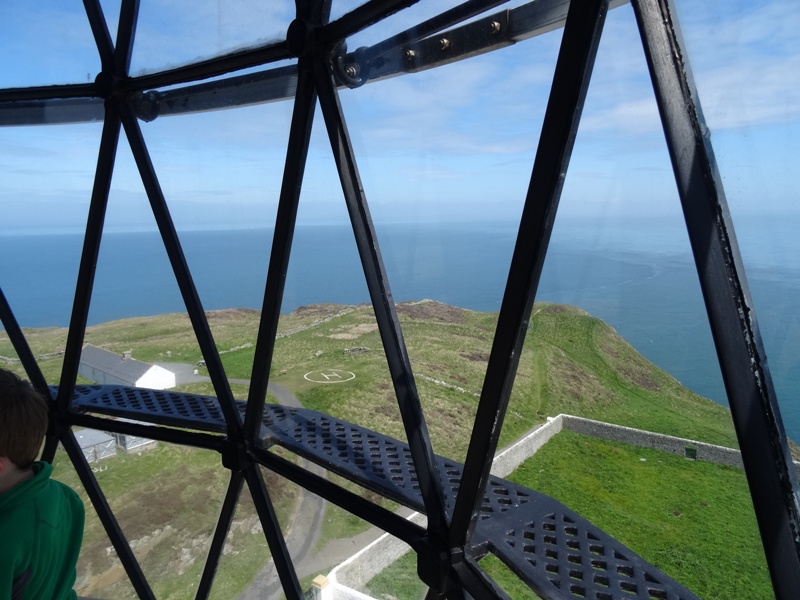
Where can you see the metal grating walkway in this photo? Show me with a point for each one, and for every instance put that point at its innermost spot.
(553, 549)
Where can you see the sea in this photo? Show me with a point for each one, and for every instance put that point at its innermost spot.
(641, 280)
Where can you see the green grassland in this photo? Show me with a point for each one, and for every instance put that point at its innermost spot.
(571, 362)
(167, 500)
(693, 520)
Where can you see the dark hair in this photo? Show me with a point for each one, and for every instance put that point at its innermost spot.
(23, 420)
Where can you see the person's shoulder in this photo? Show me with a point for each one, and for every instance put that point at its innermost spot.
(15, 529)
(69, 494)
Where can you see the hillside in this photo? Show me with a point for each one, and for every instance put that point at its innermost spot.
(571, 362)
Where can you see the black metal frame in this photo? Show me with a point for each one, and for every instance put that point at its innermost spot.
(469, 512)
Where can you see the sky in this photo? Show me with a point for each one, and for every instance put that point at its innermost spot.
(453, 143)
(448, 145)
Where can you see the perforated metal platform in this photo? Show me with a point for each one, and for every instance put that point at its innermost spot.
(554, 550)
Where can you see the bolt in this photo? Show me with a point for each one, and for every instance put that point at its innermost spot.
(494, 27)
(444, 44)
(410, 55)
(351, 71)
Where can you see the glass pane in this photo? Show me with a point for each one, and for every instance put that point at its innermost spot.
(45, 43)
(664, 507)
(160, 505)
(173, 34)
(619, 249)
(45, 194)
(445, 161)
(745, 57)
(223, 201)
(332, 356)
(398, 579)
(245, 568)
(411, 17)
(99, 569)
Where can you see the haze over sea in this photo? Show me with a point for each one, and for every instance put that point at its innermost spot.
(640, 280)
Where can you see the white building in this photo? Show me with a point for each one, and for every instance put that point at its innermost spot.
(104, 367)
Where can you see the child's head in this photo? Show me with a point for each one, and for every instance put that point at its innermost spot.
(23, 420)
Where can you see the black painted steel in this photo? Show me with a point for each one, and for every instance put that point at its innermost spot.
(570, 82)
(385, 59)
(102, 37)
(20, 344)
(435, 24)
(240, 90)
(388, 521)
(272, 531)
(107, 518)
(359, 18)
(476, 581)
(751, 395)
(382, 302)
(109, 141)
(549, 546)
(47, 92)
(471, 513)
(126, 32)
(220, 534)
(296, 154)
(213, 67)
(181, 270)
(194, 439)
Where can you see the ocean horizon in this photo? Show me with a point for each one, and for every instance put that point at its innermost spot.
(642, 282)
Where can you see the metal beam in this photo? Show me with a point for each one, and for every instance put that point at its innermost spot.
(382, 302)
(734, 327)
(570, 82)
(401, 54)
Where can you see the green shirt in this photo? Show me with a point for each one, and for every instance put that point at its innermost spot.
(41, 529)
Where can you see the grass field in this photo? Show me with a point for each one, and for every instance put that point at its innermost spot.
(167, 500)
(571, 362)
(693, 520)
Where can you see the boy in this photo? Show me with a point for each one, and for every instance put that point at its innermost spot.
(41, 520)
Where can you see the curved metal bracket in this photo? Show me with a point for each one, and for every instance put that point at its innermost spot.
(351, 70)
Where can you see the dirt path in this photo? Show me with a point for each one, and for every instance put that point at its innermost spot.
(305, 524)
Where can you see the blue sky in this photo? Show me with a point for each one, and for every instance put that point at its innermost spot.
(454, 143)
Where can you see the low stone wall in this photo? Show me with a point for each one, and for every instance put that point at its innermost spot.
(658, 441)
(513, 456)
(666, 443)
(356, 571)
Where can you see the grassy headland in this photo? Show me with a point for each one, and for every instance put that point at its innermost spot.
(571, 362)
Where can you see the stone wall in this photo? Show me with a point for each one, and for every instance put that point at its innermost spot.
(356, 571)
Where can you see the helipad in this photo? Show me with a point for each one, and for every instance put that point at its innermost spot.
(329, 376)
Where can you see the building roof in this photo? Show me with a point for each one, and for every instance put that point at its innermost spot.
(126, 369)
(90, 437)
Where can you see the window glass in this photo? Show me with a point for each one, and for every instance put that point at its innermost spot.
(745, 59)
(620, 248)
(170, 34)
(445, 160)
(45, 194)
(45, 43)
